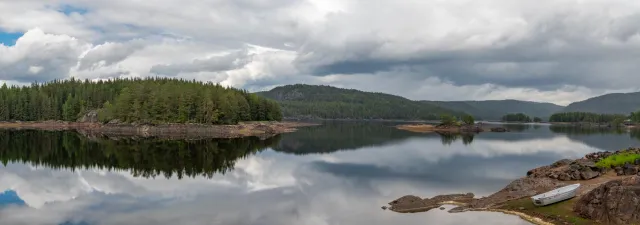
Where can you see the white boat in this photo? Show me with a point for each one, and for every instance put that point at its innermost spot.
(555, 195)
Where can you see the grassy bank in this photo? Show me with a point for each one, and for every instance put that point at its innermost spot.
(559, 213)
(618, 160)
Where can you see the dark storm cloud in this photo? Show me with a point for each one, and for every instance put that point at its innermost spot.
(559, 50)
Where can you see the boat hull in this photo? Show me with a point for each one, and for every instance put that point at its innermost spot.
(555, 196)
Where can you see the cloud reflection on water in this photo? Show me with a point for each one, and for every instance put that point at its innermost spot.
(344, 187)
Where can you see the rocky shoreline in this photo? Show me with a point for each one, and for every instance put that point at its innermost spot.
(262, 130)
(606, 195)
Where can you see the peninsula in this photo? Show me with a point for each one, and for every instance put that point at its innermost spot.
(141, 107)
(608, 193)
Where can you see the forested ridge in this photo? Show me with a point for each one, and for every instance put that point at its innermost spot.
(615, 103)
(494, 109)
(326, 102)
(150, 100)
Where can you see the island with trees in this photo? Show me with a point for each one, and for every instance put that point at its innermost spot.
(124, 106)
(449, 124)
(517, 117)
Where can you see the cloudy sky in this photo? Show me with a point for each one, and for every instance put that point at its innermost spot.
(552, 50)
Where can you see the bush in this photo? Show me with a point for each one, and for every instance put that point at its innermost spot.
(449, 120)
(468, 119)
(618, 160)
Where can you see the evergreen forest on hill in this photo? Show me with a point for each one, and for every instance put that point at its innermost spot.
(615, 103)
(326, 102)
(151, 100)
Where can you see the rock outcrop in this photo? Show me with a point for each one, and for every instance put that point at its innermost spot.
(566, 170)
(89, 117)
(411, 203)
(597, 156)
(615, 202)
(523, 187)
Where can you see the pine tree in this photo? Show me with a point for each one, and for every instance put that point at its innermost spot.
(68, 109)
(157, 100)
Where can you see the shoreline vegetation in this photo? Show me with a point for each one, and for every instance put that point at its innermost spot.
(139, 101)
(260, 129)
(609, 183)
(162, 107)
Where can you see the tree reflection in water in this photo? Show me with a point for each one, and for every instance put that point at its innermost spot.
(146, 157)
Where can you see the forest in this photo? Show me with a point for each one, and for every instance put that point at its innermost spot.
(143, 157)
(576, 117)
(516, 117)
(326, 102)
(150, 100)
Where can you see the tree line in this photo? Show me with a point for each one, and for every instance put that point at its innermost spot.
(519, 117)
(150, 100)
(142, 157)
(578, 117)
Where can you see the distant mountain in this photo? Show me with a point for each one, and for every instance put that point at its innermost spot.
(326, 102)
(618, 103)
(495, 109)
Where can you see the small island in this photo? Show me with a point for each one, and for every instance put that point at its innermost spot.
(161, 107)
(450, 125)
(520, 118)
(608, 193)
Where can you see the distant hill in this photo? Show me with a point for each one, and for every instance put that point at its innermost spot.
(495, 109)
(618, 103)
(326, 102)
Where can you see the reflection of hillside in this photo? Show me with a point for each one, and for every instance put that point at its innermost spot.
(602, 138)
(144, 157)
(351, 135)
(572, 130)
(339, 135)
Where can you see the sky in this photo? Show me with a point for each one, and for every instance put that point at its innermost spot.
(556, 51)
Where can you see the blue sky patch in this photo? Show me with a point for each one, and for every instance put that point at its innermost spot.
(10, 197)
(69, 9)
(9, 39)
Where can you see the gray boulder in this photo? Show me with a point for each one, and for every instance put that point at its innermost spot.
(589, 174)
(89, 117)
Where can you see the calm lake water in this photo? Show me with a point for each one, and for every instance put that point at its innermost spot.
(337, 173)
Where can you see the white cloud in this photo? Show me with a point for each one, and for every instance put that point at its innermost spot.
(557, 50)
(39, 56)
(35, 69)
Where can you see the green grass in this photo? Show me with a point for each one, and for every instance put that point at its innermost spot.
(618, 160)
(561, 210)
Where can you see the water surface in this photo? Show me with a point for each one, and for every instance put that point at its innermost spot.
(338, 173)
